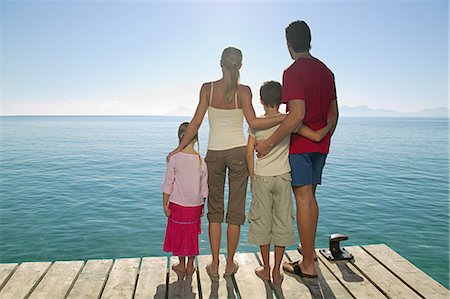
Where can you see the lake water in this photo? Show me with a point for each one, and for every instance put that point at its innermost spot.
(89, 187)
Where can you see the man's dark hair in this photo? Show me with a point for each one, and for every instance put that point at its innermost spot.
(270, 93)
(298, 36)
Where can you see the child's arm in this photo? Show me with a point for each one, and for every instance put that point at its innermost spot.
(167, 185)
(204, 185)
(166, 204)
(315, 136)
(250, 157)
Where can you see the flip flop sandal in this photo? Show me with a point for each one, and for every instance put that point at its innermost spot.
(299, 249)
(294, 268)
(298, 271)
(210, 273)
(232, 272)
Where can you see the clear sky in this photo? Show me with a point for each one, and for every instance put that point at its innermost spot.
(149, 57)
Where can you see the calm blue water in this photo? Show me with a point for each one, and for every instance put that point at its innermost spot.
(89, 187)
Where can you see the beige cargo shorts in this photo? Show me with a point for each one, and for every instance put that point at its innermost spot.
(271, 214)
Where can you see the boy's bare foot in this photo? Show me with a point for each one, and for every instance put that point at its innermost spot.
(263, 273)
(277, 276)
(179, 268)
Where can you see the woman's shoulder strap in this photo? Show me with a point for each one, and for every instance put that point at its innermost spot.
(211, 93)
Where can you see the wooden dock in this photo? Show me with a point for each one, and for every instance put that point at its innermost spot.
(376, 272)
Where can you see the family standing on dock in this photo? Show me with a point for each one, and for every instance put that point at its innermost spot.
(291, 151)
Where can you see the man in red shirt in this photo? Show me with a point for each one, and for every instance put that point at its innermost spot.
(310, 94)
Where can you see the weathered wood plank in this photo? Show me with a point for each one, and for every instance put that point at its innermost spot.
(122, 279)
(181, 285)
(58, 280)
(327, 285)
(379, 275)
(249, 285)
(24, 280)
(351, 278)
(215, 288)
(92, 279)
(413, 276)
(152, 278)
(6, 271)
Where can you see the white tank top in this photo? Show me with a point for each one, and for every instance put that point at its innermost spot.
(225, 126)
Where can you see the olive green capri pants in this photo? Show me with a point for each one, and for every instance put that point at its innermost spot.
(218, 162)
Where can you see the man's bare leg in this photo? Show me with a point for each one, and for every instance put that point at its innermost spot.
(305, 200)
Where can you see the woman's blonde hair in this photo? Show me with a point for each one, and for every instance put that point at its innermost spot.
(181, 130)
(231, 60)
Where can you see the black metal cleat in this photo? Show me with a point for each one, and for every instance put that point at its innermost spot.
(335, 253)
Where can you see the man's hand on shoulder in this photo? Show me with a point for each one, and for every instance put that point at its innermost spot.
(262, 147)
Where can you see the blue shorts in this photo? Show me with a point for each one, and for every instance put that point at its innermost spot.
(306, 169)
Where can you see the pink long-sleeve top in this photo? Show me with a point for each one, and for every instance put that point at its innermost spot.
(186, 180)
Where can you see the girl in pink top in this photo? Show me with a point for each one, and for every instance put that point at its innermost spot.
(184, 190)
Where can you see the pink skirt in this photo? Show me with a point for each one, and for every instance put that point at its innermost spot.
(183, 228)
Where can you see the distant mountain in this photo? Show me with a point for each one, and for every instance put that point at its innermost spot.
(181, 111)
(362, 111)
(442, 112)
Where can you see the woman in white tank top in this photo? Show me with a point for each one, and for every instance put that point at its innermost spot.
(227, 102)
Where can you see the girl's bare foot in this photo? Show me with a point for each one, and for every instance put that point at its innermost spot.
(190, 270)
(179, 268)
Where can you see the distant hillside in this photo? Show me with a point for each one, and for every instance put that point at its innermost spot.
(181, 111)
(362, 111)
(441, 112)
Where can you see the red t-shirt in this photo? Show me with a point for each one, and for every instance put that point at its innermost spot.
(310, 80)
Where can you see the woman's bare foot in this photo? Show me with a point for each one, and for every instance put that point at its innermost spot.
(231, 269)
(179, 268)
(212, 270)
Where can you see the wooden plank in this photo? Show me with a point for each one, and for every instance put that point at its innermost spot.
(353, 280)
(181, 285)
(405, 270)
(249, 285)
(327, 285)
(215, 288)
(58, 280)
(379, 275)
(24, 280)
(91, 280)
(152, 278)
(122, 279)
(6, 271)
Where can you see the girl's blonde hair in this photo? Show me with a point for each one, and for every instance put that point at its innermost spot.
(181, 130)
(231, 60)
